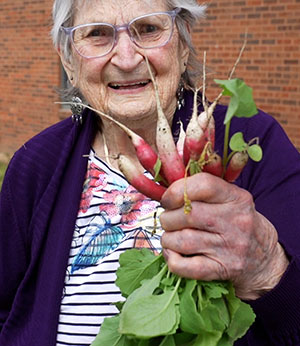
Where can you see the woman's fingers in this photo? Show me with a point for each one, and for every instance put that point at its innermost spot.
(195, 266)
(220, 253)
(217, 218)
(200, 187)
(194, 242)
(202, 216)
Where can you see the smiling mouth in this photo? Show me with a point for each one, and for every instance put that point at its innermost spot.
(125, 86)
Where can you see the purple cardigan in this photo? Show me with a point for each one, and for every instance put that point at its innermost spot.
(39, 204)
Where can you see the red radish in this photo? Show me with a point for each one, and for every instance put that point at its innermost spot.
(194, 139)
(146, 155)
(186, 155)
(172, 164)
(207, 123)
(205, 116)
(144, 152)
(214, 166)
(138, 180)
(210, 132)
(235, 166)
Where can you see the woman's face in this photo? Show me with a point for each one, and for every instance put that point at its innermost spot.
(119, 82)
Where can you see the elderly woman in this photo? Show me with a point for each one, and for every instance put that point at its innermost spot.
(67, 213)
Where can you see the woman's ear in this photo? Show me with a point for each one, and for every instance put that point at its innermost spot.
(68, 66)
(185, 52)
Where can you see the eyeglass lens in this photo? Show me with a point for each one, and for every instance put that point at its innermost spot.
(146, 32)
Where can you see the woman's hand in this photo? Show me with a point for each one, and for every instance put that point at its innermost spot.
(222, 238)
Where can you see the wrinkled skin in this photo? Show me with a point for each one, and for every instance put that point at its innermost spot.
(125, 64)
(136, 107)
(223, 238)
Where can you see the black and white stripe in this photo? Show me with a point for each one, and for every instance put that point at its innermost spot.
(89, 293)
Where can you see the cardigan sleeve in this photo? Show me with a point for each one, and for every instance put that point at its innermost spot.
(38, 206)
(13, 257)
(275, 185)
(29, 177)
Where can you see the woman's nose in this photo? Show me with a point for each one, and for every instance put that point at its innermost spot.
(126, 55)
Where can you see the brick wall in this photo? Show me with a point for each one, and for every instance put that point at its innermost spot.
(271, 61)
(30, 70)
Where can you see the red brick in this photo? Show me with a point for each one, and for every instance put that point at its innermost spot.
(270, 64)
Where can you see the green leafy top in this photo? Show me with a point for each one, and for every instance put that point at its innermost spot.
(166, 310)
(241, 98)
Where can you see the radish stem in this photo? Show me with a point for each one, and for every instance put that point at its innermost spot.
(226, 144)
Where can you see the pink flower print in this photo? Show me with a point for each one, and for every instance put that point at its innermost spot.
(129, 204)
(95, 180)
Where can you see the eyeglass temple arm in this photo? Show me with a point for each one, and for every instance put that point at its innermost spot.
(65, 30)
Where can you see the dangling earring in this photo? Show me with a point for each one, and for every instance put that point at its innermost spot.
(179, 94)
(76, 109)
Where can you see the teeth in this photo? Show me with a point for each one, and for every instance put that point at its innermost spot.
(128, 84)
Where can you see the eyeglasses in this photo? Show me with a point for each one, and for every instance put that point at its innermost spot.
(98, 39)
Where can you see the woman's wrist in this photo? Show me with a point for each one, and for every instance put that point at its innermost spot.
(277, 270)
(271, 276)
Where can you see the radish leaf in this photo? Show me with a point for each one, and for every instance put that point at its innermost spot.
(157, 168)
(168, 341)
(241, 314)
(241, 98)
(237, 142)
(135, 266)
(109, 335)
(194, 167)
(191, 320)
(255, 152)
(163, 319)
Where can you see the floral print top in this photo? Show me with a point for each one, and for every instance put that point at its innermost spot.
(112, 218)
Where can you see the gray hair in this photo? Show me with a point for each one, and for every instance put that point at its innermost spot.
(63, 14)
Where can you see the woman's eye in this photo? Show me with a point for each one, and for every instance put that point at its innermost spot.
(148, 28)
(97, 33)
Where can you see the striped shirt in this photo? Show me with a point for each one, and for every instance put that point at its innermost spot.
(112, 218)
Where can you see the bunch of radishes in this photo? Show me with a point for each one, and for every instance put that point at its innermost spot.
(193, 153)
(194, 150)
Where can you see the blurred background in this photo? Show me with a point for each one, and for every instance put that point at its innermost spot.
(31, 74)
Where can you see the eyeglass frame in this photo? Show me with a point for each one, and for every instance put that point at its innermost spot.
(123, 27)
